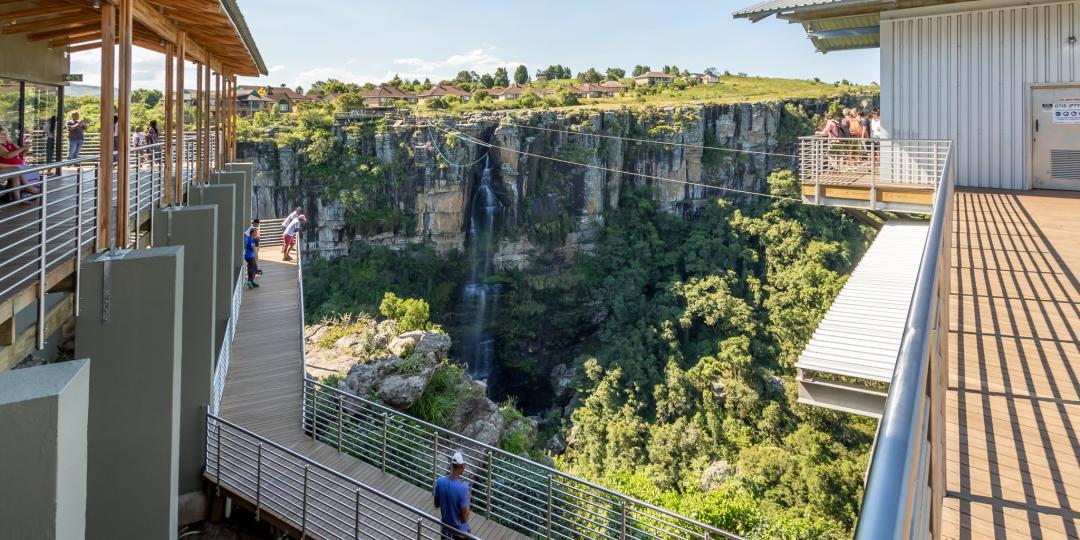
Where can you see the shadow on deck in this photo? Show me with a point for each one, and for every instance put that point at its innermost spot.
(1013, 403)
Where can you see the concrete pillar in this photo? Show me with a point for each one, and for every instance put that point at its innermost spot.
(43, 447)
(130, 325)
(249, 175)
(195, 228)
(243, 207)
(224, 197)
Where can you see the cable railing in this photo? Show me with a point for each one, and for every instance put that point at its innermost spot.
(49, 216)
(221, 367)
(871, 163)
(315, 500)
(906, 481)
(509, 489)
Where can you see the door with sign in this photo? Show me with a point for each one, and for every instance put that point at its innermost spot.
(1055, 143)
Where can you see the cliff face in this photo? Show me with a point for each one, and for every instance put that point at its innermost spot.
(546, 205)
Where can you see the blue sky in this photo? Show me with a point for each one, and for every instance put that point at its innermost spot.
(371, 40)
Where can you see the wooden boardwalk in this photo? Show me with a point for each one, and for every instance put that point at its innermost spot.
(1013, 406)
(263, 389)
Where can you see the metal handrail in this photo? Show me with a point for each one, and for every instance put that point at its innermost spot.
(259, 469)
(905, 483)
(66, 214)
(413, 449)
(221, 368)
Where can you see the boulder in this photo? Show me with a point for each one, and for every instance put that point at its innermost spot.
(479, 418)
(715, 475)
(775, 384)
(405, 343)
(434, 344)
(562, 377)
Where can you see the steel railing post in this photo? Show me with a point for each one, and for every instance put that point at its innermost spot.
(258, 481)
(490, 499)
(303, 507)
(419, 528)
(217, 454)
(549, 506)
(622, 520)
(435, 458)
(42, 264)
(382, 461)
(356, 523)
(78, 232)
(340, 406)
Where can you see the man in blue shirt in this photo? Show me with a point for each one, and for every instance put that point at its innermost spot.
(452, 499)
(251, 246)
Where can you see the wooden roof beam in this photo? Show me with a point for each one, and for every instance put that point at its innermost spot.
(41, 25)
(84, 47)
(40, 11)
(82, 37)
(64, 32)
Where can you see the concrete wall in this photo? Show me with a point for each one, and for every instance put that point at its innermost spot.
(43, 419)
(28, 61)
(961, 72)
(130, 326)
(195, 228)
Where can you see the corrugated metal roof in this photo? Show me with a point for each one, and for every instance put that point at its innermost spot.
(860, 335)
(779, 6)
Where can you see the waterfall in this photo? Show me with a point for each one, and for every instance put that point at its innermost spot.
(479, 297)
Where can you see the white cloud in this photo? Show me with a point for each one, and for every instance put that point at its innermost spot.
(147, 69)
(479, 60)
(276, 68)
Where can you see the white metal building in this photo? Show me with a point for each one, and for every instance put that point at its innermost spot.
(1000, 78)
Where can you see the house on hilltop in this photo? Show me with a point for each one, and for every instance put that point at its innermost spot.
(282, 97)
(385, 95)
(707, 78)
(654, 77)
(509, 93)
(614, 86)
(249, 101)
(443, 90)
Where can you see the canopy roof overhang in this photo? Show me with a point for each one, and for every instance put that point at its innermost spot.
(835, 25)
(214, 31)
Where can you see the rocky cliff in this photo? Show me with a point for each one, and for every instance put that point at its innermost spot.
(427, 175)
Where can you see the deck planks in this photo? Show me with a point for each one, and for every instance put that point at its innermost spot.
(1013, 405)
(264, 391)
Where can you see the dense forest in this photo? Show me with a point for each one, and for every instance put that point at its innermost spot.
(683, 332)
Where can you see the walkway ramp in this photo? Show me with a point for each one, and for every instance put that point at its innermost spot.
(849, 361)
(263, 399)
(1013, 404)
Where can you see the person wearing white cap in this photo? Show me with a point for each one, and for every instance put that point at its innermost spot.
(452, 499)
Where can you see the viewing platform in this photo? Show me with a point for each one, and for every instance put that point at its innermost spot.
(871, 174)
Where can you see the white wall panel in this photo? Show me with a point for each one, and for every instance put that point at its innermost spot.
(963, 76)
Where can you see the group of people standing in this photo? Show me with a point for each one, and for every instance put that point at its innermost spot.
(290, 226)
(854, 123)
(76, 134)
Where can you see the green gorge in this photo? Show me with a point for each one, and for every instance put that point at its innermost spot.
(648, 329)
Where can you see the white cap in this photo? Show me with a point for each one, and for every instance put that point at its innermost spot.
(457, 459)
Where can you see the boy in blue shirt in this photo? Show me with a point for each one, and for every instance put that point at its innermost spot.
(452, 499)
(251, 243)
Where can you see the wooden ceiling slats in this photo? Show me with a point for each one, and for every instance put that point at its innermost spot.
(50, 9)
(74, 31)
(47, 24)
(69, 24)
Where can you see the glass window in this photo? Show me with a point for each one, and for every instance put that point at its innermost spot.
(40, 123)
(10, 95)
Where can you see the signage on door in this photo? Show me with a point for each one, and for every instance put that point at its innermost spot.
(1066, 111)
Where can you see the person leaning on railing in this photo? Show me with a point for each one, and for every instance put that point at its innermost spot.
(11, 158)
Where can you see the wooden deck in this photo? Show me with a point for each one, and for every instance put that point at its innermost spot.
(1013, 456)
(263, 389)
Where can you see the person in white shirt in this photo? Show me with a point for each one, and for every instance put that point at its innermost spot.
(288, 238)
(288, 219)
(876, 131)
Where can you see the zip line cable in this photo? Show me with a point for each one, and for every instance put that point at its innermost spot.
(446, 159)
(652, 141)
(489, 146)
